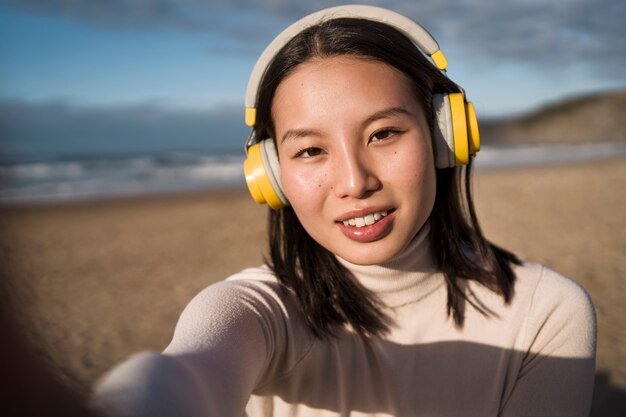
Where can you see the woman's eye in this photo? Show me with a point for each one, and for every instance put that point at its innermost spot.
(384, 134)
(308, 152)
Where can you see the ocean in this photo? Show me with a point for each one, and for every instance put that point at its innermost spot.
(57, 178)
(64, 178)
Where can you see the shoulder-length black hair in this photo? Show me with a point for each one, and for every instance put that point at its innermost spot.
(326, 292)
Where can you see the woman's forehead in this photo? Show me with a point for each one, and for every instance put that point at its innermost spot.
(342, 86)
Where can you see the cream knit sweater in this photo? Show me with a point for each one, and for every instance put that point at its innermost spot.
(241, 348)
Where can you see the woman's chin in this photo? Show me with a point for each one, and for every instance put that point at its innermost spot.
(368, 254)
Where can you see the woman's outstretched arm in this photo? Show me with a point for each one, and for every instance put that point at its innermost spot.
(222, 346)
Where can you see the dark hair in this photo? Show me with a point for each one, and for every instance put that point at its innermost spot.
(326, 292)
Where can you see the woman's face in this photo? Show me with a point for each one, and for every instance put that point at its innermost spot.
(355, 156)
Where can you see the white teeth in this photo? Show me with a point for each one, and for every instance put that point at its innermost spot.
(367, 220)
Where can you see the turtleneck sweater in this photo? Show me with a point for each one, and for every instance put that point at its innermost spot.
(241, 347)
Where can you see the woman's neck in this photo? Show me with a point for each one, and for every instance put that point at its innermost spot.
(408, 277)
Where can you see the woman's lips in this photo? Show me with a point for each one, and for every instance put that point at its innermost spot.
(363, 232)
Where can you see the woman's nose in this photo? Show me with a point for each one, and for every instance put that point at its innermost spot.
(354, 177)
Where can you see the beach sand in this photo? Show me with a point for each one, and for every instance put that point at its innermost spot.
(93, 282)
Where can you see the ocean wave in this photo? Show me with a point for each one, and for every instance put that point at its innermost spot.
(61, 180)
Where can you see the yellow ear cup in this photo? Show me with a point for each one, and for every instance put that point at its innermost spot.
(459, 127)
(259, 184)
(254, 172)
(472, 128)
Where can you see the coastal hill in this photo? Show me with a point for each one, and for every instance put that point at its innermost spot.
(599, 117)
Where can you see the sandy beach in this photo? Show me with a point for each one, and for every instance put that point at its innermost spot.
(93, 282)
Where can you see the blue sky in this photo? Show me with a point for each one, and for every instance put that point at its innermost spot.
(192, 59)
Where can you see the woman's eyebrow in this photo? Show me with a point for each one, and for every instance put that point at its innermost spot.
(298, 133)
(383, 114)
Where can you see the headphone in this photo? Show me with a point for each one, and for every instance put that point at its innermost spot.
(455, 137)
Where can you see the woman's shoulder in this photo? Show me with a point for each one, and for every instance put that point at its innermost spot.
(547, 286)
(251, 285)
(558, 309)
(250, 301)
(537, 288)
(260, 275)
(252, 291)
(548, 313)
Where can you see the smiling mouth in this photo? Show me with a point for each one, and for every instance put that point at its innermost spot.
(366, 220)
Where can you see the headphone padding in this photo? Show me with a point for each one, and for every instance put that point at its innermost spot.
(272, 169)
(443, 135)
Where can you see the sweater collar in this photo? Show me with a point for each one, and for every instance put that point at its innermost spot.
(408, 277)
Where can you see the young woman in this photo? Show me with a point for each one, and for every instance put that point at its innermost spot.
(381, 296)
